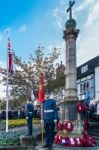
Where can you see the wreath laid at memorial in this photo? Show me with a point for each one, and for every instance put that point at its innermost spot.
(60, 126)
(85, 140)
(68, 125)
(81, 108)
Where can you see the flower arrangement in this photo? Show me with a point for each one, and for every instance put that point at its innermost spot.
(81, 108)
(68, 125)
(17, 123)
(60, 126)
(85, 140)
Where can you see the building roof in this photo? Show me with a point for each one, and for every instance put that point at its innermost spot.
(88, 67)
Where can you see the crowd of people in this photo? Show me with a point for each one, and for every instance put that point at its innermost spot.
(19, 113)
(94, 112)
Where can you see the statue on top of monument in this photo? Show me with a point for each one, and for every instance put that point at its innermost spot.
(70, 22)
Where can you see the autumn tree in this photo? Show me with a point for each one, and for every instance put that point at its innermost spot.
(26, 77)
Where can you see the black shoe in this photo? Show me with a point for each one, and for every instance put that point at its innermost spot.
(45, 146)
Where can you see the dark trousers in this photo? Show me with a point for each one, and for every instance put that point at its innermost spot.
(49, 132)
(29, 125)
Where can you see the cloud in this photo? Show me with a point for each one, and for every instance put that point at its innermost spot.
(88, 38)
(62, 2)
(93, 15)
(88, 44)
(22, 28)
(2, 64)
(84, 5)
(1, 37)
(58, 16)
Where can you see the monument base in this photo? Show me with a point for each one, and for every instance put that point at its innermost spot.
(27, 140)
(77, 131)
(68, 109)
(69, 113)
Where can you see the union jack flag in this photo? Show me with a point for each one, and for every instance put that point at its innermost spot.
(10, 58)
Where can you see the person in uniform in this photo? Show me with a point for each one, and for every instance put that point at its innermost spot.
(29, 115)
(50, 119)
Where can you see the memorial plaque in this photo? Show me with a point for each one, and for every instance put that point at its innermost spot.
(72, 112)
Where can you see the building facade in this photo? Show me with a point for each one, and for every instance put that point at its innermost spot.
(88, 79)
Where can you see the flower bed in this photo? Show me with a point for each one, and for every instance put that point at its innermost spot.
(17, 123)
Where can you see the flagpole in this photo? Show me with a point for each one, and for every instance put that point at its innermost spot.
(7, 96)
(42, 123)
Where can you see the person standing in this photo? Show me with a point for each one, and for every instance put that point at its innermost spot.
(87, 102)
(87, 98)
(29, 115)
(50, 116)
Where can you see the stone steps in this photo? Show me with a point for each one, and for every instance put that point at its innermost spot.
(94, 131)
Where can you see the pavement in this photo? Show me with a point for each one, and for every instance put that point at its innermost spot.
(60, 147)
(38, 145)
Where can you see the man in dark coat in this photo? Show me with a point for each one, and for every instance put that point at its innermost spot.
(50, 119)
(29, 115)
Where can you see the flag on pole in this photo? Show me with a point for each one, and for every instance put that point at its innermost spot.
(41, 89)
(10, 58)
(9, 72)
(41, 99)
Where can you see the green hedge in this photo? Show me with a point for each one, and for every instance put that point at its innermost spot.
(11, 138)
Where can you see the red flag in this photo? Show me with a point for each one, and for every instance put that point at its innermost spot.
(10, 58)
(41, 89)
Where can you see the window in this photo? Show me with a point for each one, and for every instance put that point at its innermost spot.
(81, 88)
(92, 83)
(84, 69)
(87, 84)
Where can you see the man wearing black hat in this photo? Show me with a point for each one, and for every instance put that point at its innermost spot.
(29, 115)
(50, 118)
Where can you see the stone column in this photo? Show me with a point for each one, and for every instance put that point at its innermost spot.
(70, 36)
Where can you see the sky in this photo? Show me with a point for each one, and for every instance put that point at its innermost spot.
(34, 22)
